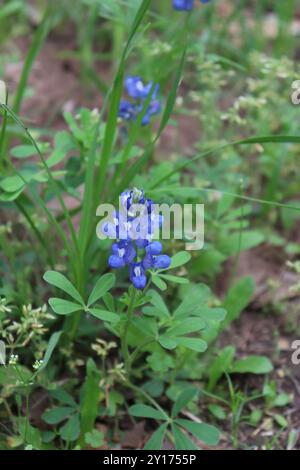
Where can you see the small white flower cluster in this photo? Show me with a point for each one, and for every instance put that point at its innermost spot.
(37, 364)
(102, 347)
(13, 359)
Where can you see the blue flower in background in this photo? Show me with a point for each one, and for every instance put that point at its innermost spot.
(154, 108)
(183, 5)
(139, 253)
(139, 92)
(186, 5)
(127, 110)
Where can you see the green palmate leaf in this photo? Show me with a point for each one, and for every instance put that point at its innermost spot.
(109, 301)
(33, 435)
(181, 258)
(282, 399)
(90, 398)
(195, 298)
(156, 440)
(202, 431)
(57, 414)
(59, 280)
(48, 436)
(187, 326)
(214, 314)
(104, 315)
(175, 279)
(184, 398)
(23, 151)
(70, 431)
(192, 343)
(63, 143)
(153, 312)
(220, 365)
(281, 420)
(237, 298)
(158, 282)
(6, 197)
(148, 326)
(253, 365)
(54, 338)
(181, 440)
(159, 303)
(8, 376)
(167, 342)
(154, 387)
(63, 397)
(63, 307)
(236, 241)
(12, 184)
(217, 411)
(146, 411)
(103, 285)
(94, 438)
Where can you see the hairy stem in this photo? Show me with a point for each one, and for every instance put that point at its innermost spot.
(124, 339)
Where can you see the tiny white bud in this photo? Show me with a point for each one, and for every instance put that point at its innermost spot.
(37, 364)
(13, 359)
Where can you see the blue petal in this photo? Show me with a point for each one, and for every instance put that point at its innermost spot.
(141, 243)
(148, 261)
(162, 262)
(155, 248)
(130, 254)
(116, 262)
(139, 282)
(127, 110)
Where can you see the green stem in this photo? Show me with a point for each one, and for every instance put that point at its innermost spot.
(35, 229)
(138, 349)
(151, 400)
(27, 392)
(27, 415)
(124, 340)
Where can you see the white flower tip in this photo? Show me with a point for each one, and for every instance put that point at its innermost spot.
(2, 92)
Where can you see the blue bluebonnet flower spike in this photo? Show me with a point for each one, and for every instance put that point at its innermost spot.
(138, 253)
(138, 92)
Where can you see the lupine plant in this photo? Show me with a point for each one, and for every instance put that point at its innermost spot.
(139, 93)
(103, 322)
